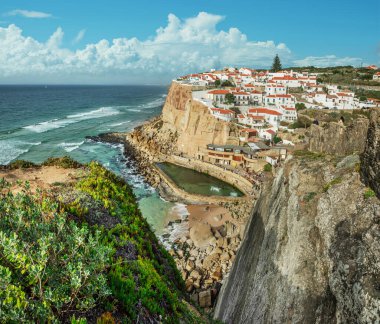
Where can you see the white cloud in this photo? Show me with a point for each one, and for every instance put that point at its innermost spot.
(29, 14)
(79, 36)
(182, 46)
(328, 60)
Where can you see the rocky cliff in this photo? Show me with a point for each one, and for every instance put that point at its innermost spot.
(370, 167)
(184, 126)
(311, 251)
(336, 138)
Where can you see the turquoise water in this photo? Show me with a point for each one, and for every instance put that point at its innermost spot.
(38, 122)
(198, 183)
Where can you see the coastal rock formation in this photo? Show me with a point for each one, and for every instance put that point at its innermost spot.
(310, 253)
(184, 126)
(191, 121)
(370, 167)
(311, 250)
(336, 138)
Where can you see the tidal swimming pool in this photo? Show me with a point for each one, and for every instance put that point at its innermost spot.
(195, 182)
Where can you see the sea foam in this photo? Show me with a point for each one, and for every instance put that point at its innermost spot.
(71, 119)
(68, 147)
(11, 150)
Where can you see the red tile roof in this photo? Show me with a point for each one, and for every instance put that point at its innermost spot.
(249, 130)
(218, 92)
(264, 111)
(256, 117)
(286, 77)
(241, 93)
(222, 111)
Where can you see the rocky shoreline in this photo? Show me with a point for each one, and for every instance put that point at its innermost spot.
(205, 254)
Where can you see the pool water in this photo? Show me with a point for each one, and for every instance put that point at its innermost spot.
(195, 182)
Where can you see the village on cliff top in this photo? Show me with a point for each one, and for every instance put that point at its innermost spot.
(263, 105)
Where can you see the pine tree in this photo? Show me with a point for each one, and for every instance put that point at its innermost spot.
(276, 66)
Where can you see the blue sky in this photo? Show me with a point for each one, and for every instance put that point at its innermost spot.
(302, 32)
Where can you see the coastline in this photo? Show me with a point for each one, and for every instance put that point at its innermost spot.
(203, 233)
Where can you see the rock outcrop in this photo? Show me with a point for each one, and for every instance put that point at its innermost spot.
(311, 250)
(370, 167)
(336, 138)
(191, 121)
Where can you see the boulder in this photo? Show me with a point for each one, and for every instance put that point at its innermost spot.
(201, 235)
(189, 266)
(217, 275)
(224, 257)
(205, 299)
(210, 260)
(189, 285)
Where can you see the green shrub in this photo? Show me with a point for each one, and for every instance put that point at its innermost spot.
(53, 268)
(21, 164)
(65, 162)
(309, 196)
(268, 167)
(50, 265)
(277, 139)
(369, 193)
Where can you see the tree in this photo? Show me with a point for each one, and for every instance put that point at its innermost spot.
(217, 83)
(230, 98)
(227, 83)
(300, 106)
(276, 66)
(277, 139)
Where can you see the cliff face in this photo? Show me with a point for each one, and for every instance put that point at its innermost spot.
(370, 167)
(186, 124)
(335, 138)
(311, 251)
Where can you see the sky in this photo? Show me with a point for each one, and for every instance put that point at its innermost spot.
(152, 42)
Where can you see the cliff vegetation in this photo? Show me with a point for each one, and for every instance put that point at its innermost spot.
(82, 252)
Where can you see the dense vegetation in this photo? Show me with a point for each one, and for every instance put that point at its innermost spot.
(84, 253)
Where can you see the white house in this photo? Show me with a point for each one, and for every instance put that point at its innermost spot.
(256, 97)
(280, 99)
(271, 116)
(223, 114)
(376, 76)
(218, 96)
(289, 114)
(287, 81)
(272, 89)
(267, 134)
(241, 98)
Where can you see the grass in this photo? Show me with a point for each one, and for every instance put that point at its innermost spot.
(333, 182)
(305, 154)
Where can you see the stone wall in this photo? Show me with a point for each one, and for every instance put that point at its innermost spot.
(335, 138)
(370, 159)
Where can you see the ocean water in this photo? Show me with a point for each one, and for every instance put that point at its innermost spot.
(37, 122)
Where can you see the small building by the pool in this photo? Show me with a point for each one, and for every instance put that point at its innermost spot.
(249, 157)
